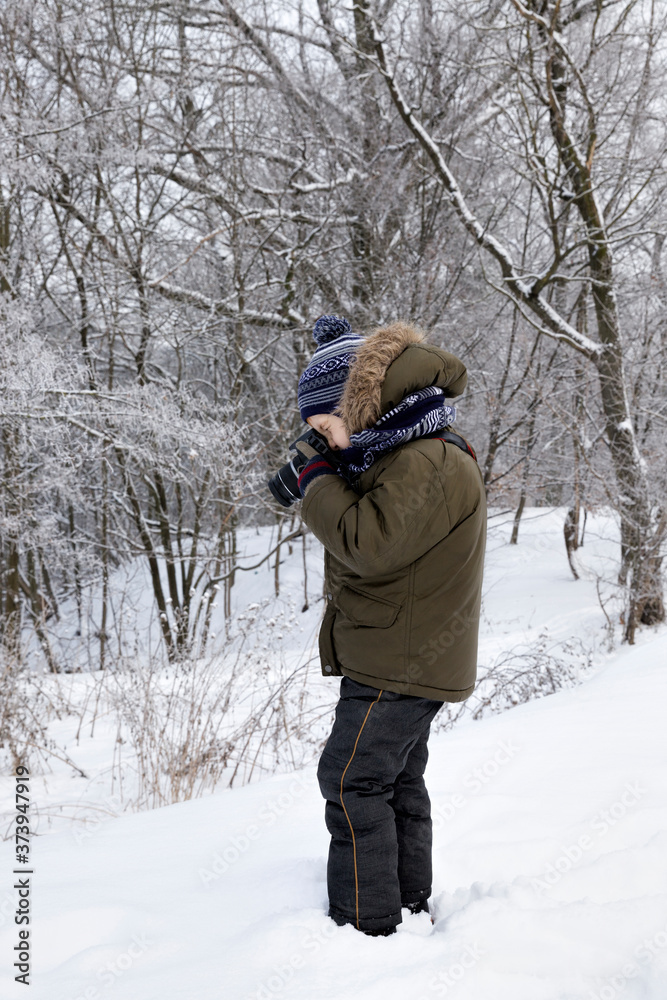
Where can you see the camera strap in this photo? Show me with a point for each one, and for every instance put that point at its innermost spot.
(451, 438)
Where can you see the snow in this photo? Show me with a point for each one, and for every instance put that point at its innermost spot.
(550, 847)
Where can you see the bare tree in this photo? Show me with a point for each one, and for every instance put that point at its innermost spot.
(186, 187)
(553, 91)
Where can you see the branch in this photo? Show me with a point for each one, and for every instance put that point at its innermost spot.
(297, 533)
(267, 55)
(515, 286)
(288, 321)
(194, 183)
(80, 121)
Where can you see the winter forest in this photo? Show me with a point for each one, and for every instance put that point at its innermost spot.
(185, 187)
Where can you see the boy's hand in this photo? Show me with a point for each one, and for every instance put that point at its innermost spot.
(316, 466)
(306, 450)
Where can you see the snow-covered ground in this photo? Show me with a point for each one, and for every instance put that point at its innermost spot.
(550, 843)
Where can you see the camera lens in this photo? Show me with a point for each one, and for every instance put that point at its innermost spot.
(285, 485)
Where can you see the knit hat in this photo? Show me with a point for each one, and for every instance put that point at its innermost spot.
(321, 384)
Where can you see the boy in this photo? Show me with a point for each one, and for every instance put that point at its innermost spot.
(403, 524)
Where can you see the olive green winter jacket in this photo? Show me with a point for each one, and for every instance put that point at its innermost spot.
(404, 553)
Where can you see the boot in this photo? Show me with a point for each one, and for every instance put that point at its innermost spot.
(420, 907)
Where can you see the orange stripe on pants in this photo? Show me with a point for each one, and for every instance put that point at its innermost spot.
(354, 843)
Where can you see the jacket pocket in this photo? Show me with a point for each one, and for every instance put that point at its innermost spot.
(361, 609)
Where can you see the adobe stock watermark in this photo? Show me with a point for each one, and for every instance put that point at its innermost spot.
(445, 981)
(643, 954)
(108, 974)
(239, 845)
(412, 501)
(91, 824)
(455, 629)
(603, 821)
(474, 781)
(281, 975)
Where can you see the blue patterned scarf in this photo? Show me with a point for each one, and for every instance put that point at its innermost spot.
(421, 413)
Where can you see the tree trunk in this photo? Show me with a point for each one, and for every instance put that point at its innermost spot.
(10, 626)
(640, 543)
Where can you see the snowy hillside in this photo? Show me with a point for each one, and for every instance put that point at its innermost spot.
(257, 702)
(550, 845)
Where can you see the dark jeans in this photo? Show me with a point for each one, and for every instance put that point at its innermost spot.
(378, 811)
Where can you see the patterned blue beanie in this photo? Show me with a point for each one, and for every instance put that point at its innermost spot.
(321, 385)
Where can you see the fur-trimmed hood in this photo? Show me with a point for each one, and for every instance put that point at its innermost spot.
(392, 362)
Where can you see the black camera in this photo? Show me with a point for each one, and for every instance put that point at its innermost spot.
(285, 484)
